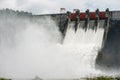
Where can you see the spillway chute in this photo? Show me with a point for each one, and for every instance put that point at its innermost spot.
(106, 25)
(96, 25)
(87, 16)
(67, 22)
(77, 21)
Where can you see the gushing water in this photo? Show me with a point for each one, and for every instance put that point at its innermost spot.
(29, 49)
(86, 46)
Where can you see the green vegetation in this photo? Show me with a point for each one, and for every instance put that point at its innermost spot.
(4, 79)
(94, 78)
(103, 78)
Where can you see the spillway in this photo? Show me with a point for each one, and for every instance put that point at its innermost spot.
(58, 46)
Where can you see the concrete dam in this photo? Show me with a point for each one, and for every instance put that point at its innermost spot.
(108, 55)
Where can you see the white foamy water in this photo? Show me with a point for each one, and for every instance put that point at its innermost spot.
(86, 46)
(31, 50)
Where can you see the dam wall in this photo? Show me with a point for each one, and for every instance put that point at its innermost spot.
(109, 55)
